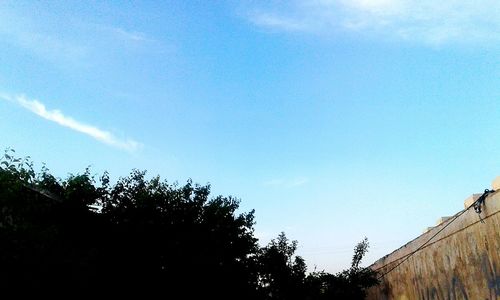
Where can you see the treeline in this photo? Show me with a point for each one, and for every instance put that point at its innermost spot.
(86, 235)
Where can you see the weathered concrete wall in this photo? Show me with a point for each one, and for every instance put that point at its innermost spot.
(461, 262)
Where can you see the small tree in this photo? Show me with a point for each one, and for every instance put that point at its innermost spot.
(282, 273)
(348, 284)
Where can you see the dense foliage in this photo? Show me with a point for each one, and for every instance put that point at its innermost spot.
(149, 236)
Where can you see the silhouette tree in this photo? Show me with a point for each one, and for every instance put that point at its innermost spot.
(348, 284)
(282, 274)
(177, 240)
(84, 235)
(138, 235)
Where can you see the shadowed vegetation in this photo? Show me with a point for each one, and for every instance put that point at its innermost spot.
(148, 236)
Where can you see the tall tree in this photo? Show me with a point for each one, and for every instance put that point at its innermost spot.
(282, 273)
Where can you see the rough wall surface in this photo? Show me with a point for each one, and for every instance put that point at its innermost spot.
(461, 262)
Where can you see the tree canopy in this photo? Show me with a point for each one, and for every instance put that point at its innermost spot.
(148, 236)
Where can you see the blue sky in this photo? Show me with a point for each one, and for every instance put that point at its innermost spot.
(335, 119)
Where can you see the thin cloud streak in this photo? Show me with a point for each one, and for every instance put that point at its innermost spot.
(423, 21)
(132, 36)
(58, 117)
(279, 22)
(81, 47)
(287, 183)
(20, 30)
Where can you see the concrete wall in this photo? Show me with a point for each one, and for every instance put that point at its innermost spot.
(461, 262)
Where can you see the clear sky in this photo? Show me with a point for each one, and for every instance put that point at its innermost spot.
(334, 120)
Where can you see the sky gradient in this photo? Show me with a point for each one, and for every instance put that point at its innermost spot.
(334, 120)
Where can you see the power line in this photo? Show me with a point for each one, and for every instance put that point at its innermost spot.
(475, 204)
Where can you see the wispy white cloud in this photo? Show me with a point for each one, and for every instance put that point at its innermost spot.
(279, 22)
(76, 43)
(24, 32)
(112, 34)
(287, 183)
(428, 21)
(126, 35)
(58, 117)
